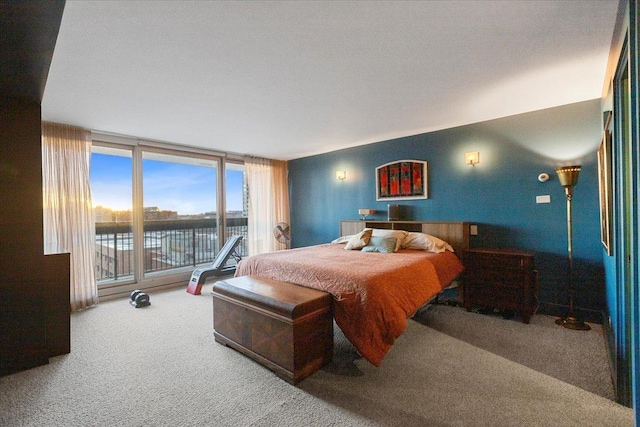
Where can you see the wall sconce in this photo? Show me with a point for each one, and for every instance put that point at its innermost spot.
(341, 175)
(365, 212)
(472, 158)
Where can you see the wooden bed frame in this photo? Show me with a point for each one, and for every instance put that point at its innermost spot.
(454, 233)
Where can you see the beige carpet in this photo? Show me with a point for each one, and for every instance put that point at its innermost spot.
(160, 366)
(577, 357)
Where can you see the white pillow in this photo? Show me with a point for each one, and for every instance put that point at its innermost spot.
(342, 239)
(425, 242)
(359, 241)
(398, 234)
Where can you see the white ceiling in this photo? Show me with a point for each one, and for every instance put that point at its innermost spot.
(290, 79)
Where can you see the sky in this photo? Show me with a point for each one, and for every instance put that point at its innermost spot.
(187, 189)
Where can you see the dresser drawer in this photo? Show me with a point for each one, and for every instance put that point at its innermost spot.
(496, 261)
(508, 298)
(500, 278)
(496, 277)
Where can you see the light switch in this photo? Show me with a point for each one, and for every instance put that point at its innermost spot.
(473, 230)
(543, 199)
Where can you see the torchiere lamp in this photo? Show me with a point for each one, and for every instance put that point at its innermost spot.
(568, 177)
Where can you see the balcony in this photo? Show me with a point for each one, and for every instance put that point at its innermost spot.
(168, 244)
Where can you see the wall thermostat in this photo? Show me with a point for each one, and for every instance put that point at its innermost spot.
(543, 177)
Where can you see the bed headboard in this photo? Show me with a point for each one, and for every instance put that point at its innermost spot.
(453, 232)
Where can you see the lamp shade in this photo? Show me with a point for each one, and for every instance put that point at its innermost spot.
(472, 158)
(366, 211)
(568, 175)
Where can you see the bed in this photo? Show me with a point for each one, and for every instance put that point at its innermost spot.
(374, 292)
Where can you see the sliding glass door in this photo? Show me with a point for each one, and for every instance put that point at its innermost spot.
(180, 210)
(625, 208)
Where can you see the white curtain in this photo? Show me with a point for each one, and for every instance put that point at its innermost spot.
(268, 203)
(68, 210)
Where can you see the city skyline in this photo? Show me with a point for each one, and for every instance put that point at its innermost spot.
(188, 189)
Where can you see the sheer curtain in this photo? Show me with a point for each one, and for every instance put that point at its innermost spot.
(68, 210)
(268, 203)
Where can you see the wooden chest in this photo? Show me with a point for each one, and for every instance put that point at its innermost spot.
(500, 278)
(287, 328)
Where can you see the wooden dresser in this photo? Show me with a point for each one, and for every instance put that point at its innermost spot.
(505, 279)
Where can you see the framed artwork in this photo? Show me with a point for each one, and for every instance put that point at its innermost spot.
(604, 181)
(402, 180)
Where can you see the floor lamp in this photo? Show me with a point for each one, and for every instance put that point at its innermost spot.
(568, 177)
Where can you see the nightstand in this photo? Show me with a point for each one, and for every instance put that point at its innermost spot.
(505, 279)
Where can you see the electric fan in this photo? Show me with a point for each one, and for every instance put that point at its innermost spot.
(282, 233)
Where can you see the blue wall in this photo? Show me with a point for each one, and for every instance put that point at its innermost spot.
(498, 194)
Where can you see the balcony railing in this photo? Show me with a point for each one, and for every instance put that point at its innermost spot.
(167, 244)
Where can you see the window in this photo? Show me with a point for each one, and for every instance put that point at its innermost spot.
(180, 211)
(157, 211)
(112, 192)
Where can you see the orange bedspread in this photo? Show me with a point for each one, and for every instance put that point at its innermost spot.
(374, 293)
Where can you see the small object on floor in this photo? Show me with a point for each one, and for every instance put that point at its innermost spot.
(139, 299)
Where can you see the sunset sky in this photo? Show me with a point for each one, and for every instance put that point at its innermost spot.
(187, 189)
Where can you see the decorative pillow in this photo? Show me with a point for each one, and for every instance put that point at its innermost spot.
(385, 245)
(360, 240)
(425, 242)
(398, 234)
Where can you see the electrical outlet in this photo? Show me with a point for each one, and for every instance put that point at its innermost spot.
(473, 230)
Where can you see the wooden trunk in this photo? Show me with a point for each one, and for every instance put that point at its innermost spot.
(286, 327)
